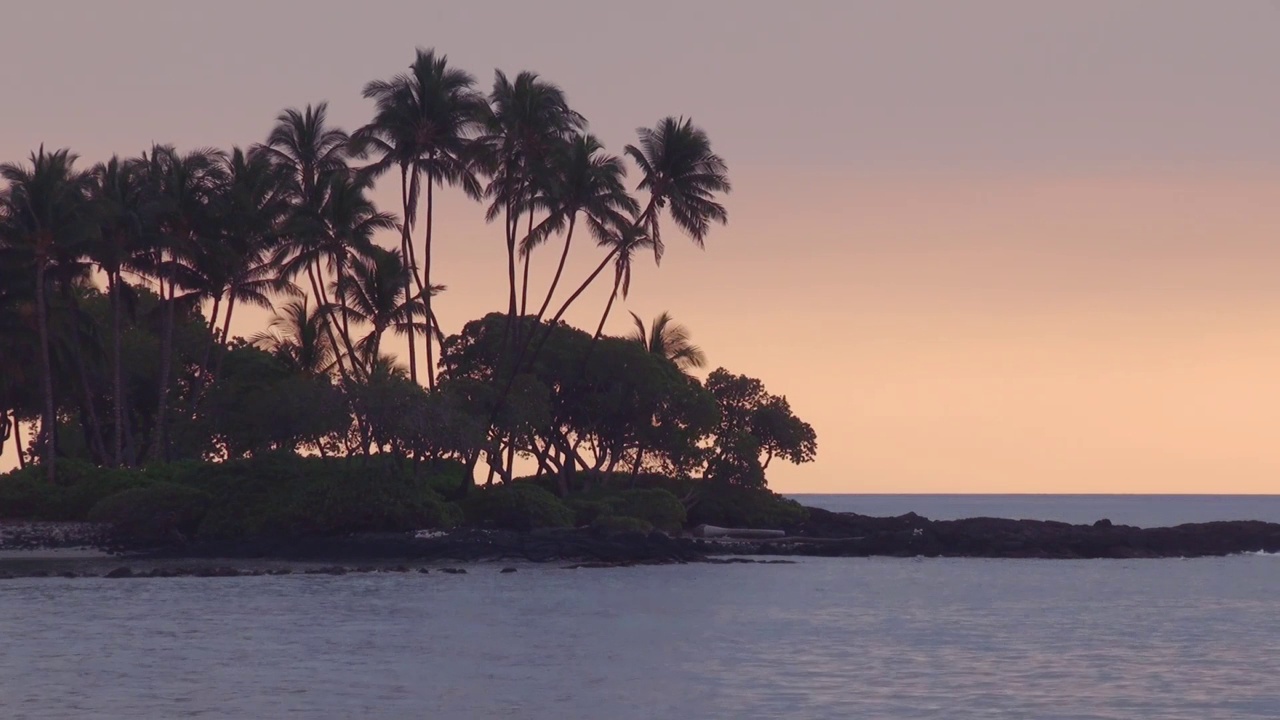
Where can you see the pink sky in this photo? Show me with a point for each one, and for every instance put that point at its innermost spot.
(981, 246)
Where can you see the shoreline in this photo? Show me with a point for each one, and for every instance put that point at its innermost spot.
(38, 549)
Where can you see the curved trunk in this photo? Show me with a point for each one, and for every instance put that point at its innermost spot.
(564, 256)
(17, 441)
(617, 282)
(322, 300)
(346, 321)
(47, 418)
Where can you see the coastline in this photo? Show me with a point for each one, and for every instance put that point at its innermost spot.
(35, 549)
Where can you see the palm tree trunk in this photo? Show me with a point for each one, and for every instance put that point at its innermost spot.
(47, 420)
(346, 321)
(406, 250)
(226, 328)
(512, 221)
(583, 287)
(166, 359)
(426, 279)
(564, 256)
(322, 300)
(17, 440)
(524, 284)
(608, 306)
(117, 371)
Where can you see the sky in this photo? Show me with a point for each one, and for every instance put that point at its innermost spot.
(990, 246)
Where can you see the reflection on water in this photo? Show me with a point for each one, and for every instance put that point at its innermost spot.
(841, 638)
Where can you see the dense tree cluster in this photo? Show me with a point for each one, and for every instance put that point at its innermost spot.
(119, 282)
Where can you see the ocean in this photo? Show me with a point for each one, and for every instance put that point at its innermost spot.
(823, 638)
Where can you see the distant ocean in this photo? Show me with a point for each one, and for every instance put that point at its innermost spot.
(1139, 510)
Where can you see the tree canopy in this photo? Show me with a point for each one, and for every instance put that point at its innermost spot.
(119, 282)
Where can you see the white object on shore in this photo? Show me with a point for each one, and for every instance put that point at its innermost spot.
(711, 531)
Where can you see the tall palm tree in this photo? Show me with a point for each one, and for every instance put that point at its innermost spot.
(124, 215)
(297, 337)
(184, 187)
(423, 124)
(669, 340)
(529, 121)
(236, 265)
(46, 213)
(374, 294)
(344, 226)
(682, 175)
(311, 152)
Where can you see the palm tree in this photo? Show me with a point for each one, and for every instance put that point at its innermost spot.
(583, 180)
(529, 121)
(45, 212)
(119, 192)
(344, 226)
(681, 174)
(309, 149)
(185, 188)
(374, 294)
(311, 153)
(669, 340)
(236, 265)
(297, 337)
(423, 124)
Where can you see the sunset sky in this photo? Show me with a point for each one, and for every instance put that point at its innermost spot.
(980, 246)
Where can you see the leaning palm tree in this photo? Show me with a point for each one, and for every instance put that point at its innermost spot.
(529, 121)
(310, 152)
(669, 340)
(682, 175)
(586, 181)
(424, 123)
(45, 213)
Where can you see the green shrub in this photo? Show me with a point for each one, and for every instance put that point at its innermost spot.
(516, 506)
(743, 507)
(27, 495)
(658, 507)
(620, 524)
(292, 496)
(158, 513)
(585, 511)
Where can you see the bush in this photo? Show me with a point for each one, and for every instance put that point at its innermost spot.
(516, 506)
(28, 495)
(585, 512)
(744, 507)
(620, 524)
(292, 496)
(160, 513)
(658, 507)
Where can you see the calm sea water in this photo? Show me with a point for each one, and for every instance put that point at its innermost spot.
(1139, 510)
(825, 638)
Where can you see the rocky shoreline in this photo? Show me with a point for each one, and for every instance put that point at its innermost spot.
(823, 534)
